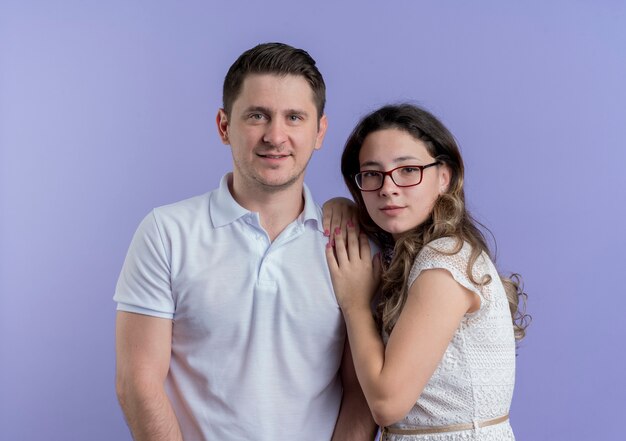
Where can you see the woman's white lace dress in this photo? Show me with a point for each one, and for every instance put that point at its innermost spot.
(474, 380)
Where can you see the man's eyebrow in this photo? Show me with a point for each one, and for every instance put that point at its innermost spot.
(296, 112)
(396, 160)
(267, 111)
(259, 109)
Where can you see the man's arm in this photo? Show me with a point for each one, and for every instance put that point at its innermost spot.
(143, 347)
(355, 421)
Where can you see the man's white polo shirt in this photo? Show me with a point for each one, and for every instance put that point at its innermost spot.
(257, 333)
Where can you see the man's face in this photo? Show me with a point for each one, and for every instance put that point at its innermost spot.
(272, 130)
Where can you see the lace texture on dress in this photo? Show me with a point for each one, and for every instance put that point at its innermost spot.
(475, 377)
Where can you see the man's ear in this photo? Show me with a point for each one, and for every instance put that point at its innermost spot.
(222, 126)
(321, 132)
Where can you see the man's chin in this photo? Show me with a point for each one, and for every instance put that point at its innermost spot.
(275, 184)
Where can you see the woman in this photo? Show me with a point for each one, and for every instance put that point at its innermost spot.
(444, 367)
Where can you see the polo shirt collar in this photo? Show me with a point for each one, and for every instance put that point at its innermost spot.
(224, 209)
(311, 211)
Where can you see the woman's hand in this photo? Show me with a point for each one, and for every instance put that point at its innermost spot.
(337, 213)
(355, 275)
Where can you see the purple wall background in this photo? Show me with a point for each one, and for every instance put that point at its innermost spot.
(107, 109)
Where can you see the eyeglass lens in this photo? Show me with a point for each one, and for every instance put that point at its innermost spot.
(403, 176)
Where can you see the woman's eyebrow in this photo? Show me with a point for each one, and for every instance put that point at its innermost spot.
(370, 164)
(396, 160)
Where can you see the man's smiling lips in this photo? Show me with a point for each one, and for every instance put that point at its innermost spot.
(272, 157)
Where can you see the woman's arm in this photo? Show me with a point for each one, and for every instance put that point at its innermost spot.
(393, 378)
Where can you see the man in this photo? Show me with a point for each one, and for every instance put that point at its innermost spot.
(227, 326)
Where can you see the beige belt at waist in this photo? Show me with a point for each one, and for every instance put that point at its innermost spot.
(442, 429)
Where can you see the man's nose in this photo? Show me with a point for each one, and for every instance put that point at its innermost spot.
(275, 133)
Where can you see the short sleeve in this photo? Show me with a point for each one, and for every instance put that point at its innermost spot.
(442, 254)
(144, 284)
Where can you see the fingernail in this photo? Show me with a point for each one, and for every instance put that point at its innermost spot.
(337, 230)
(350, 224)
(327, 232)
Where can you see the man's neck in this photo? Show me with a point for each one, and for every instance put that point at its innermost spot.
(276, 208)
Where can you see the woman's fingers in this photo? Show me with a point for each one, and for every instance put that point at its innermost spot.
(340, 248)
(357, 225)
(377, 266)
(348, 218)
(333, 218)
(331, 258)
(353, 242)
(327, 216)
(364, 246)
(355, 277)
(337, 213)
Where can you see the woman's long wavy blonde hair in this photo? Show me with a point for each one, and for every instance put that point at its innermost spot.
(449, 216)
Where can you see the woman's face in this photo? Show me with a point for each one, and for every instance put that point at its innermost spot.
(400, 209)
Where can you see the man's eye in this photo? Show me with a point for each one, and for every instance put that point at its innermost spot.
(295, 118)
(256, 116)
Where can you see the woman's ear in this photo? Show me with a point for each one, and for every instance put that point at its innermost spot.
(444, 178)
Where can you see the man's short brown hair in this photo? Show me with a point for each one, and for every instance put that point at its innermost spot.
(277, 59)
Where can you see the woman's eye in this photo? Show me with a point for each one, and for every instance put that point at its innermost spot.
(371, 174)
(410, 170)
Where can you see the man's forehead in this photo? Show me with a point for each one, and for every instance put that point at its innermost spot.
(277, 92)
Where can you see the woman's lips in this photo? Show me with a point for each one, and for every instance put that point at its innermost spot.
(392, 210)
